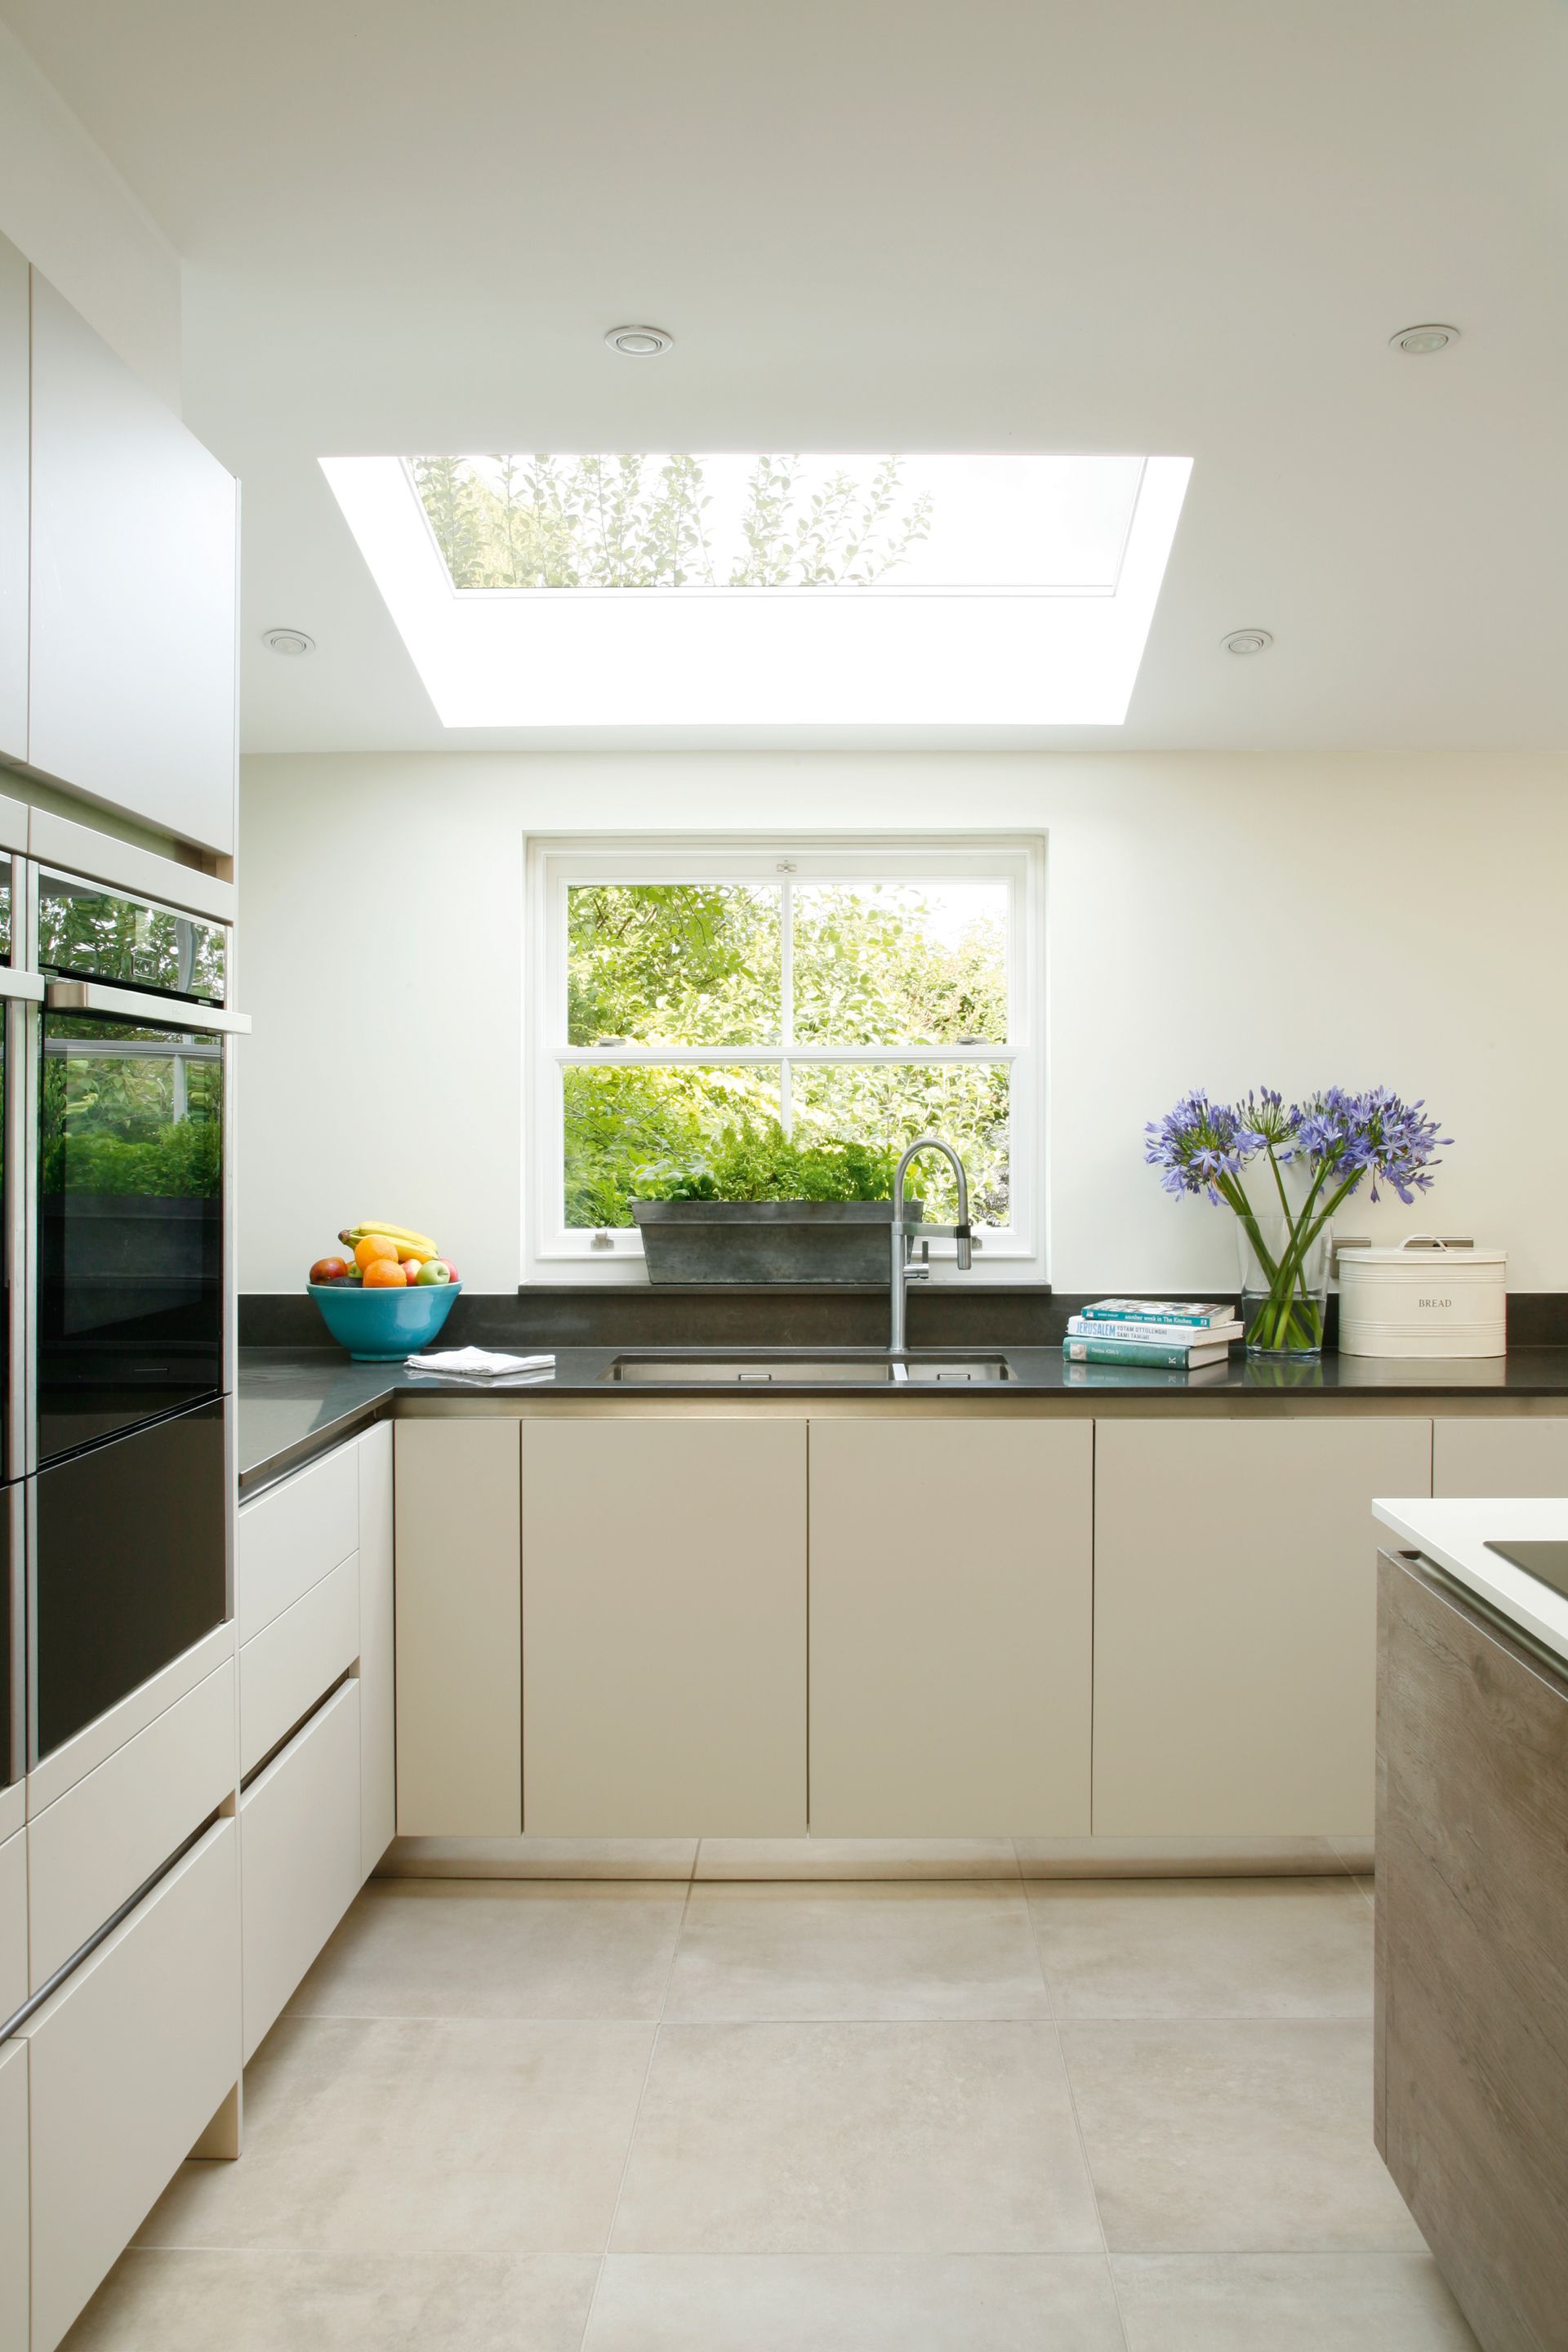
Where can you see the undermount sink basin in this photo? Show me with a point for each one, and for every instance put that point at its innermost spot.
(807, 1371)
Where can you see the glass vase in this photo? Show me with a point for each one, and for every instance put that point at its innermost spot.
(1284, 1288)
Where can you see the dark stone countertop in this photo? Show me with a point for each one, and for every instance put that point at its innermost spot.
(294, 1402)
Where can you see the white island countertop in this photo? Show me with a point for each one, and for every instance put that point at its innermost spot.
(1453, 1535)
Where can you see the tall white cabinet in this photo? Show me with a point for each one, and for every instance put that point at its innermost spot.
(132, 643)
(14, 399)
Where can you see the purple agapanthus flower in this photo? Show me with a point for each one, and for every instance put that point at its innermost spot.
(1200, 1141)
(1374, 1134)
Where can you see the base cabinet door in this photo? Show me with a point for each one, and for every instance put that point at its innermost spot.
(299, 1857)
(952, 1579)
(1476, 1455)
(459, 1628)
(13, 2196)
(129, 2061)
(377, 1669)
(664, 1628)
(1234, 1621)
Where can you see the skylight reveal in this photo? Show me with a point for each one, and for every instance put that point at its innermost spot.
(825, 591)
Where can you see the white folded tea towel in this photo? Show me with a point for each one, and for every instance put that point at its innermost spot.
(478, 1363)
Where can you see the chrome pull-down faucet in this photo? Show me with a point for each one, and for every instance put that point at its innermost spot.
(904, 1270)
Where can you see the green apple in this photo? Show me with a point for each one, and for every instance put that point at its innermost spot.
(434, 1271)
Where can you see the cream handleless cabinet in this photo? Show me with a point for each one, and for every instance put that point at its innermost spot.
(133, 608)
(664, 1580)
(377, 1666)
(15, 406)
(459, 1628)
(14, 2198)
(952, 1575)
(1235, 1627)
(1519, 1454)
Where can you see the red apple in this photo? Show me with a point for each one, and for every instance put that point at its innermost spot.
(329, 1269)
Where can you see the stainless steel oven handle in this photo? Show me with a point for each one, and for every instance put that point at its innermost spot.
(131, 1005)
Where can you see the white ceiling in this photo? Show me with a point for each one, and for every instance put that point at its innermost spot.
(1174, 226)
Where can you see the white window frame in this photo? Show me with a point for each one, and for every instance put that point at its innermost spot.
(551, 1251)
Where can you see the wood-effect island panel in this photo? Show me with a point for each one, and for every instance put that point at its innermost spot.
(1471, 2081)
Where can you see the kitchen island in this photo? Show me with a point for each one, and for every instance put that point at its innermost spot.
(1472, 2078)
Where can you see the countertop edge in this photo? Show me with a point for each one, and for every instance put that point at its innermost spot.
(1451, 1535)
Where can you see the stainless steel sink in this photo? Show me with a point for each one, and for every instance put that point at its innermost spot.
(784, 1371)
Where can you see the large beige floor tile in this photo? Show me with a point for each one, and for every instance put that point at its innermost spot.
(821, 1857)
(443, 1947)
(865, 1951)
(418, 2136)
(1160, 1857)
(1234, 2137)
(1288, 2303)
(936, 2138)
(156, 2302)
(1205, 1947)
(854, 2303)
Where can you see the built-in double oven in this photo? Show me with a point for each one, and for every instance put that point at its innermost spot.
(119, 1421)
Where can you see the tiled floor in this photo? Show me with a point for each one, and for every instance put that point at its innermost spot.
(1032, 2114)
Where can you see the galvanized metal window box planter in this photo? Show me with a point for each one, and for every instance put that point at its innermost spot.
(768, 1241)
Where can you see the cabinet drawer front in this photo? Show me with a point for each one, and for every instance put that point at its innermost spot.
(130, 2061)
(14, 2196)
(285, 1669)
(299, 1832)
(290, 1537)
(13, 1928)
(99, 1843)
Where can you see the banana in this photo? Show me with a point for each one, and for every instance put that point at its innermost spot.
(419, 1245)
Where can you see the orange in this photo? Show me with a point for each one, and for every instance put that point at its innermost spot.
(384, 1273)
(375, 1245)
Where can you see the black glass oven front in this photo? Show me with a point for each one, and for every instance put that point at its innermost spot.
(131, 1225)
(131, 1565)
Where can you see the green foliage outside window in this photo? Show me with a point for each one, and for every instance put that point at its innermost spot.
(700, 964)
(631, 521)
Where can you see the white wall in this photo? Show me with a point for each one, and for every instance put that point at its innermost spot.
(64, 205)
(1220, 920)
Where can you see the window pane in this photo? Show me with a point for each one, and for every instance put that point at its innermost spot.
(672, 963)
(898, 963)
(887, 1104)
(644, 1134)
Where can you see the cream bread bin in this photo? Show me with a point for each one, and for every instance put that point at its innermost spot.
(1426, 1297)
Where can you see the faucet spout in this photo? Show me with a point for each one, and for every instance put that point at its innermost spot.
(902, 1271)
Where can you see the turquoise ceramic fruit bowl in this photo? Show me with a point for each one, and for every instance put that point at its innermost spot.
(382, 1326)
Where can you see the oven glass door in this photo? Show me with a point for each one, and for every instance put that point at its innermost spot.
(131, 1566)
(130, 1226)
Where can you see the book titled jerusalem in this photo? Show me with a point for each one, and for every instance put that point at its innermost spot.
(1158, 1310)
(1176, 1355)
(1088, 1327)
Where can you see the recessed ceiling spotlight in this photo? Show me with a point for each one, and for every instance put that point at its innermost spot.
(1420, 342)
(1247, 641)
(292, 641)
(640, 342)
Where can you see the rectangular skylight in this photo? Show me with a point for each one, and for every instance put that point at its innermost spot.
(777, 591)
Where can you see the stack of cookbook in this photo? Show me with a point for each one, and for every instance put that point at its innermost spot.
(1174, 1334)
